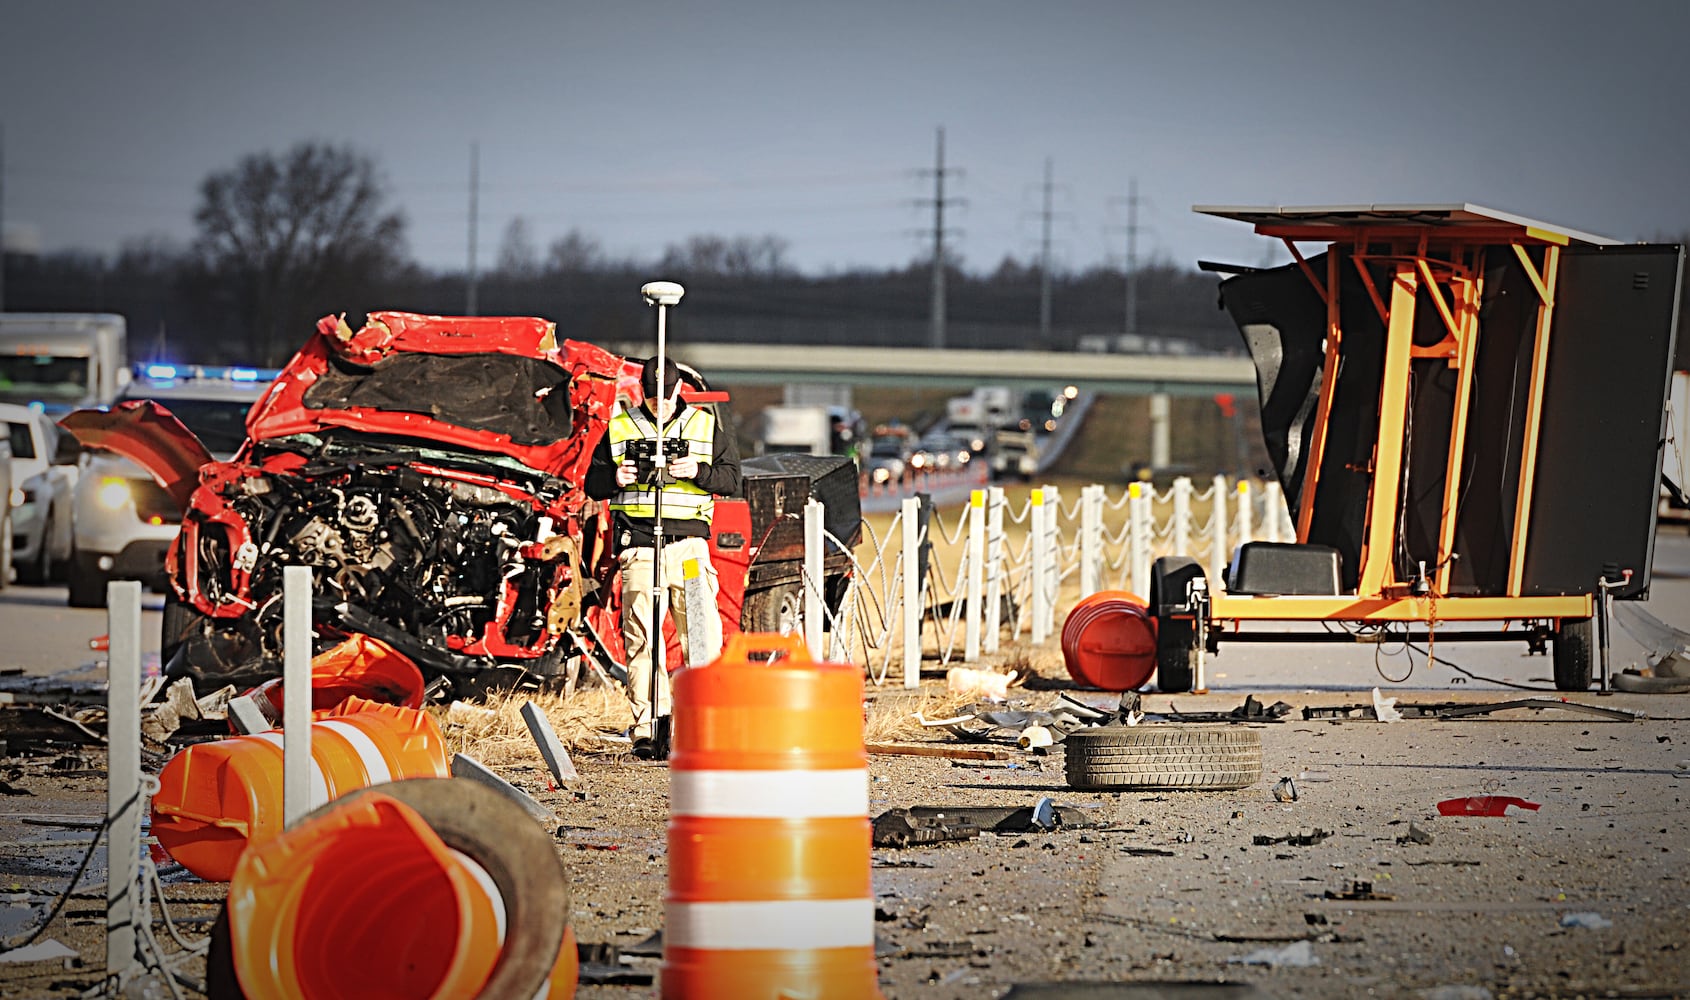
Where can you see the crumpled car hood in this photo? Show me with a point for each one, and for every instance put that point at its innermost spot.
(148, 435)
(492, 384)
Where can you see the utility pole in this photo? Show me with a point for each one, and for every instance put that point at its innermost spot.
(1132, 256)
(936, 334)
(2, 218)
(1044, 264)
(474, 190)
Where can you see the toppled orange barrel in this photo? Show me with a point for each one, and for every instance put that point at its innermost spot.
(366, 900)
(362, 666)
(215, 799)
(769, 885)
(1109, 641)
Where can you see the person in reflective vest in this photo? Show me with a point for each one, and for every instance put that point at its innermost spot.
(704, 465)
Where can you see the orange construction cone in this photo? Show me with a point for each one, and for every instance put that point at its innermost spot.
(770, 895)
(215, 799)
(366, 899)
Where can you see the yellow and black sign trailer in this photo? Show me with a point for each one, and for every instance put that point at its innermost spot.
(1466, 411)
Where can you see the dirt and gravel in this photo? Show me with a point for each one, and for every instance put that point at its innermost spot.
(1586, 896)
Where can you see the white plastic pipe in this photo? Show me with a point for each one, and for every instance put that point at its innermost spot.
(296, 693)
(1041, 559)
(1138, 511)
(1091, 539)
(815, 613)
(976, 575)
(1246, 514)
(1182, 516)
(993, 607)
(912, 592)
(123, 773)
(1217, 535)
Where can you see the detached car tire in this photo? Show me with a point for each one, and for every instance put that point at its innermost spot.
(1162, 757)
(1570, 650)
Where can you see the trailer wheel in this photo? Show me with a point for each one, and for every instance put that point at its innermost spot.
(1571, 652)
(778, 609)
(1121, 757)
(1177, 653)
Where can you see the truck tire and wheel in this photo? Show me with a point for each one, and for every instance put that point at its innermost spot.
(1177, 653)
(1152, 757)
(1570, 649)
(87, 581)
(778, 609)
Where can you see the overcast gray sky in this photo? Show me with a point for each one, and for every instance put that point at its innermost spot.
(644, 123)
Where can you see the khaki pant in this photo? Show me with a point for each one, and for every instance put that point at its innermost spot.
(636, 619)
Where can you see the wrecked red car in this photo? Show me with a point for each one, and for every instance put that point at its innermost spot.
(429, 469)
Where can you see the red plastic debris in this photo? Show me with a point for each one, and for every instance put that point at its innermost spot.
(1483, 805)
(100, 644)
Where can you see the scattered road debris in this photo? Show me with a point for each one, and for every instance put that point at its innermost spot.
(1458, 709)
(935, 750)
(465, 766)
(551, 748)
(1359, 891)
(979, 683)
(1302, 838)
(1483, 805)
(1415, 835)
(50, 950)
(1587, 920)
(1384, 709)
(604, 964)
(1195, 990)
(1297, 955)
(1285, 790)
(941, 824)
(1251, 711)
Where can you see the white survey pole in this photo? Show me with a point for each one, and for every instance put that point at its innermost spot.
(661, 294)
(815, 605)
(976, 575)
(123, 774)
(296, 693)
(912, 592)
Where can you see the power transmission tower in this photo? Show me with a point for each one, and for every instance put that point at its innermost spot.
(1044, 262)
(1132, 202)
(474, 191)
(936, 334)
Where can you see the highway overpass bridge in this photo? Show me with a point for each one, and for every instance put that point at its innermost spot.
(1127, 374)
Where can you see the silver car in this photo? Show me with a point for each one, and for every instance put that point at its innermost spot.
(125, 521)
(44, 473)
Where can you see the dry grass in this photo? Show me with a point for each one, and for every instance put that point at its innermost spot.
(891, 714)
(492, 730)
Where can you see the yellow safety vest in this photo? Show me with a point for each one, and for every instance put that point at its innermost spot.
(684, 499)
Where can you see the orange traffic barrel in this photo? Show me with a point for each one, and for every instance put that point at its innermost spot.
(372, 897)
(361, 666)
(215, 799)
(770, 894)
(1109, 641)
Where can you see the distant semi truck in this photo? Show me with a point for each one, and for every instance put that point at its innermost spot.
(62, 361)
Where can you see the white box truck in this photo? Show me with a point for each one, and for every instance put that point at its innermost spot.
(62, 361)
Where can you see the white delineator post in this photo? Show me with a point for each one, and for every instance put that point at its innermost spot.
(1041, 560)
(1091, 540)
(1138, 513)
(698, 605)
(1246, 515)
(912, 592)
(1272, 500)
(1182, 516)
(123, 774)
(993, 607)
(296, 693)
(815, 604)
(976, 575)
(1217, 534)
